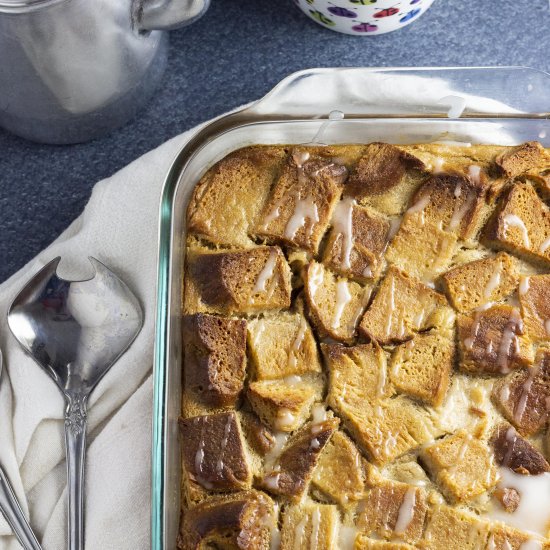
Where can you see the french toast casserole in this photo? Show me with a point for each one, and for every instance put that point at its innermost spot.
(367, 349)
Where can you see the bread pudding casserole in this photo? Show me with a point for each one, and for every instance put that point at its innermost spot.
(367, 349)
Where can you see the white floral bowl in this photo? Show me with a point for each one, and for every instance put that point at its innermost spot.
(364, 17)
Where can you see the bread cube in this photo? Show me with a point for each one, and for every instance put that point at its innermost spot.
(282, 406)
(339, 473)
(534, 298)
(525, 157)
(462, 465)
(521, 225)
(516, 453)
(228, 521)
(491, 341)
(472, 285)
(356, 241)
(244, 281)
(215, 358)
(230, 196)
(423, 251)
(384, 177)
(362, 542)
(452, 528)
(421, 367)
(282, 345)
(451, 202)
(214, 455)
(292, 471)
(394, 511)
(402, 306)
(504, 537)
(335, 304)
(523, 397)
(302, 201)
(308, 526)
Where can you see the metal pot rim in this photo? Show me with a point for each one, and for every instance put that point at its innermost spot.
(19, 6)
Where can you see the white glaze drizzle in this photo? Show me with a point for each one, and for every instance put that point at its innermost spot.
(438, 165)
(493, 283)
(469, 342)
(511, 220)
(508, 338)
(225, 440)
(544, 246)
(285, 419)
(525, 390)
(299, 533)
(319, 413)
(474, 172)
(315, 524)
(392, 307)
(266, 273)
(533, 513)
(305, 209)
(343, 298)
(292, 380)
(460, 211)
(342, 221)
(315, 278)
(275, 452)
(419, 206)
(297, 344)
(300, 158)
(524, 285)
(275, 533)
(406, 511)
(346, 537)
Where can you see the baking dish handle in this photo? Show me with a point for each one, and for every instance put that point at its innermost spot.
(453, 92)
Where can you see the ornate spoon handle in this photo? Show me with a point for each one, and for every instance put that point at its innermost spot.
(75, 443)
(11, 510)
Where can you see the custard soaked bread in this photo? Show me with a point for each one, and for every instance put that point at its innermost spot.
(366, 341)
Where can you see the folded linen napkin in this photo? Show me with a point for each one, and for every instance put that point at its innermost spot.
(119, 227)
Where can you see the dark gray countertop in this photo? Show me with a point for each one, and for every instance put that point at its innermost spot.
(235, 54)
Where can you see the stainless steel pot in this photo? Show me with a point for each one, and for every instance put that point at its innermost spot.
(71, 70)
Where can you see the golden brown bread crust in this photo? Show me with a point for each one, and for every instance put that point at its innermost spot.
(215, 358)
(521, 225)
(302, 201)
(492, 341)
(238, 282)
(516, 453)
(524, 158)
(356, 242)
(474, 284)
(381, 167)
(236, 521)
(409, 268)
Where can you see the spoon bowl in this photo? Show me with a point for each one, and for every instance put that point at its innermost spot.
(76, 331)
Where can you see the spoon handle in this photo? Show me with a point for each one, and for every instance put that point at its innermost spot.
(75, 443)
(9, 506)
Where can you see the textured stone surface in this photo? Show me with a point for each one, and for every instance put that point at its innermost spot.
(235, 54)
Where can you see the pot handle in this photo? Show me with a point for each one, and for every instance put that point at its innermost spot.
(166, 15)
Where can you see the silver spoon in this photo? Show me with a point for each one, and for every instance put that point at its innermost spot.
(76, 331)
(12, 511)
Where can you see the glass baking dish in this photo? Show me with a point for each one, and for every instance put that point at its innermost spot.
(505, 105)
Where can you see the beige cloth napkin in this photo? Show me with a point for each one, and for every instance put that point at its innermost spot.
(119, 227)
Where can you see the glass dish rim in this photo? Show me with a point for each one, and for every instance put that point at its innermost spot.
(239, 119)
